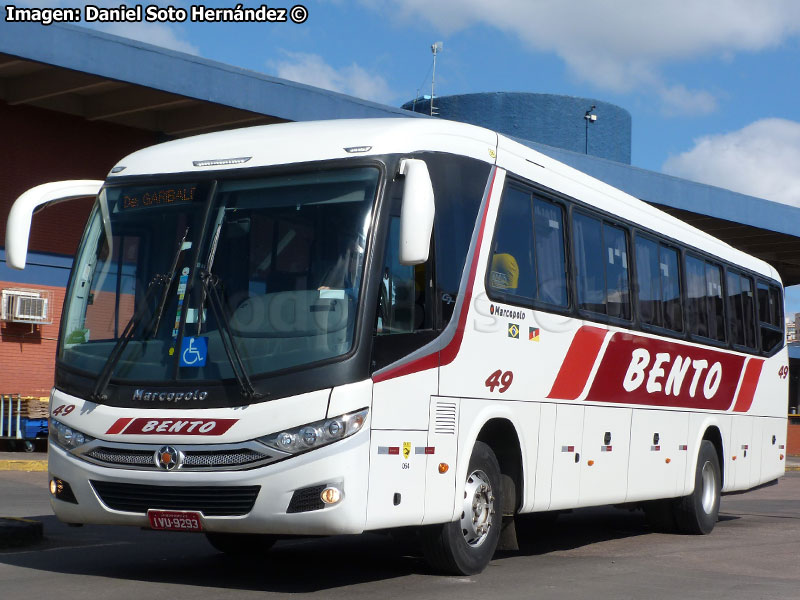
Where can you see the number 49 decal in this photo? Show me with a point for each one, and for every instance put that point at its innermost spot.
(64, 409)
(501, 379)
(783, 372)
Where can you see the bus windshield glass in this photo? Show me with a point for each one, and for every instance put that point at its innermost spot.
(184, 281)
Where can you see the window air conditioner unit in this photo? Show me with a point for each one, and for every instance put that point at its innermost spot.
(26, 306)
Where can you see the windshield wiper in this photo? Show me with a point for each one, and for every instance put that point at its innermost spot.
(210, 283)
(99, 392)
(165, 294)
(165, 281)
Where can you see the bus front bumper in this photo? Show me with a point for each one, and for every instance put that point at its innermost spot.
(343, 465)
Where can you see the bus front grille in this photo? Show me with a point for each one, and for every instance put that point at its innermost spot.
(195, 458)
(212, 501)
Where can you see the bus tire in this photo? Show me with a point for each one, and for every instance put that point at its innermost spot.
(241, 544)
(466, 546)
(697, 513)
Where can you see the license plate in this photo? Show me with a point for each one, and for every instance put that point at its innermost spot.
(175, 520)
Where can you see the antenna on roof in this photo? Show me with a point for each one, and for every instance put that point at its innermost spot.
(435, 48)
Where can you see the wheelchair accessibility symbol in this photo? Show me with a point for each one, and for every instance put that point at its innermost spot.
(194, 351)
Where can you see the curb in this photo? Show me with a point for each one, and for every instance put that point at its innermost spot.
(23, 465)
(19, 532)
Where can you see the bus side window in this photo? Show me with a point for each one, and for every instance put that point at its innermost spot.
(696, 296)
(735, 309)
(749, 302)
(659, 291)
(528, 258)
(402, 306)
(770, 316)
(671, 288)
(649, 281)
(551, 262)
(716, 311)
(704, 300)
(601, 264)
(511, 270)
(741, 306)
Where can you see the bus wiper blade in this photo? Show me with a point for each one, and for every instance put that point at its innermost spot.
(98, 394)
(246, 389)
(168, 285)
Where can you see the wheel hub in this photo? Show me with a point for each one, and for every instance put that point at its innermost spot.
(478, 509)
(709, 496)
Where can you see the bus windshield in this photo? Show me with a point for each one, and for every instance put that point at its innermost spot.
(183, 281)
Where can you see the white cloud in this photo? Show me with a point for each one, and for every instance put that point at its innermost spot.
(312, 69)
(760, 159)
(620, 44)
(677, 100)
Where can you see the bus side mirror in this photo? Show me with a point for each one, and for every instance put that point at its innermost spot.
(416, 213)
(18, 227)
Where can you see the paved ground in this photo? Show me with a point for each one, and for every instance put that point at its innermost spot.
(591, 554)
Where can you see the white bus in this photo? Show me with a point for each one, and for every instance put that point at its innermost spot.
(348, 326)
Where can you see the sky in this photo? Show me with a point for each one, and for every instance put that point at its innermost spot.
(713, 86)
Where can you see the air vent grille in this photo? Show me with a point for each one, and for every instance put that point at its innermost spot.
(445, 418)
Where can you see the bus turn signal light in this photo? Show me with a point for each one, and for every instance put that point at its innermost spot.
(443, 468)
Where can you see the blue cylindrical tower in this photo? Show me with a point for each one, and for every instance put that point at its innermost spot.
(544, 118)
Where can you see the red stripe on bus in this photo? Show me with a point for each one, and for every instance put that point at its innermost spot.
(578, 363)
(119, 425)
(749, 383)
(449, 352)
(431, 361)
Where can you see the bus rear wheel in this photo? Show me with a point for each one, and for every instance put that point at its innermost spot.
(241, 544)
(697, 513)
(465, 546)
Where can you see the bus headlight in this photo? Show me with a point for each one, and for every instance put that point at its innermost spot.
(316, 434)
(67, 437)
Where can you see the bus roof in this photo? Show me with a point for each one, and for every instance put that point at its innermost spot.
(288, 143)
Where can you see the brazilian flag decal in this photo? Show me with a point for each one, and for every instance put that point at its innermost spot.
(513, 331)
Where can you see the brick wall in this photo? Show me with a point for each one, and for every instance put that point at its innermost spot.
(793, 440)
(38, 146)
(28, 352)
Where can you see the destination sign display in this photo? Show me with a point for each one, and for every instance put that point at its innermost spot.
(133, 198)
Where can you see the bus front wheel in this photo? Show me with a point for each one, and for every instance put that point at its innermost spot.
(697, 513)
(465, 546)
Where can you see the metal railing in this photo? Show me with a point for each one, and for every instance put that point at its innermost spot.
(7, 411)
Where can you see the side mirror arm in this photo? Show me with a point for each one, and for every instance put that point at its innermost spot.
(18, 227)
